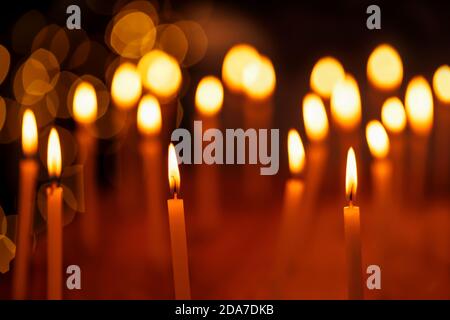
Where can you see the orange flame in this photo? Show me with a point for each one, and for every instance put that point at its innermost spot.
(85, 103)
(54, 162)
(174, 172)
(29, 134)
(351, 176)
(377, 139)
(296, 152)
(149, 115)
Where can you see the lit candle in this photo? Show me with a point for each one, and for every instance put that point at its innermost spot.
(420, 114)
(352, 232)
(85, 113)
(378, 142)
(149, 124)
(441, 88)
(54, 219)
(292, 213)
(208, 103)
(28, 173)
(180, 264)
(324, 76)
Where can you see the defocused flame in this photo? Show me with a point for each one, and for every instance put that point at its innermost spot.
(126, 87)
(325, 74)
(315, 117)
(161, 74)
(351, 176)
(346, 103)
(235, 62)
(441, 83)
(29, 134)
(377, 139)
(85, 103)
(149, 115)
(174, 173)
(54, 162)
(259, 78)
(385, 67)
(296, 152)
(419, 105)
(393, 115)
(209, 96)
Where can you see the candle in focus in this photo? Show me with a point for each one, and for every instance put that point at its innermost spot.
(180, 264)
(324, 76)
(54, 218)
(28, 173)
(352, 232)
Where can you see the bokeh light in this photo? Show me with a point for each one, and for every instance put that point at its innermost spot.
(346, 103)
(419, 105)
(325, 74)
(126, 86)
(377, 139)
(441, 83)
(385, 68)
(393, 115)
(209, 96)
(315, 117)
(236, 61)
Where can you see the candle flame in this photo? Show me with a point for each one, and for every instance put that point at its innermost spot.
(174, 172)
(393, 115)
(259, 78)
(235, 62)
(54, 162)
(441, 83)
(209, 96)
(385, 67)
(149, 115)
(315, 117)
(325, 74)
(126, 87)
(346, 103)
(85, 103)
(29, 134)
(296, 152)
(351, 176)
(377, 139)
(419, 105)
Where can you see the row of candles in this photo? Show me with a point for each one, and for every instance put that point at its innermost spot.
(245, 71)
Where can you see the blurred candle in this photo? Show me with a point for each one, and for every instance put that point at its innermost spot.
(352, 232)
(292, 211)
(235, 62)
(149, 124)
(28, 173)
(419, 111)
(126, 86)
(208, 103)
(385, 68)
(85, 114)
(54, 219)
(180, 264)
(325, 74)
(441, 88)
(259, 78)
(381, 168)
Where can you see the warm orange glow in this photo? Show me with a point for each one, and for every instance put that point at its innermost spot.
(346, 103)
(160, 73)
(441, 83)
(351, 176)
(393, 115)
(149, 116)
(174, 172)
(85, 103)
(377, 139)
(385, 68)
(296, 152)
(235, 62)
(29, 134)
(315, 117)
(325, 74)
(54, 162)
(126, 86)
(259, 78)
(209, 96)
(419, 105)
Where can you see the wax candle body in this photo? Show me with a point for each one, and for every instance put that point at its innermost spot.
(381, 176)
(180, 264)
(54, 254)
(353, 252)
(28, 174)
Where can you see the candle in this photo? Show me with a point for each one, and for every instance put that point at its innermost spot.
(54, 219)
(393, 117)
(325, 74)
(441, 87)
(149, 124)
(28, 173)
(292, 219)
(352, 231)
(419, 111)
(85, 113)
(180, 265)
(208, 103)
